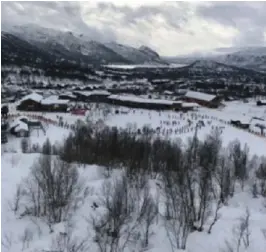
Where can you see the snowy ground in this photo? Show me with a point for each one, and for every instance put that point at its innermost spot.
(15, 167)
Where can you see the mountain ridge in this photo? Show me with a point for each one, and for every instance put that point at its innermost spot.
(70, 46)
(253, 58)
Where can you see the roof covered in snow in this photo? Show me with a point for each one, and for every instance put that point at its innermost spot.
(199, 96)
(19, 125)
(257, 122)
(33, 96)
(139, 99)
(94, 92)
(53, 99)
(189, 105)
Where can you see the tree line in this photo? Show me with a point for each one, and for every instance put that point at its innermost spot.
(194, 180)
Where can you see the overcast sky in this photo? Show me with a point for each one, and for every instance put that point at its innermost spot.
(170, 28)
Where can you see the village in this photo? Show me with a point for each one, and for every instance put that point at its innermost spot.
(33, 113)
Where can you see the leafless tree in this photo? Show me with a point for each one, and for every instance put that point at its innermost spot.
(239, 158)
(179, 217)
(261, 176)
(14, 205)
(243, 231)
(7, 242)
(26, 238)
(216, 215)
(109, 227)
(150, 212)
(241, 235)
(51, 189)
(222, 179)
(67, 242)
(25, 145)
(125, 213)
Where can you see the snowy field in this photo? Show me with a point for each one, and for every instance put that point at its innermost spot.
(172, 125)
(16, 166)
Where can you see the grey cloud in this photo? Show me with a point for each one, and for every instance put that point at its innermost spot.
(173, 16)
(248, 18)
(56, 15)
(68, 15)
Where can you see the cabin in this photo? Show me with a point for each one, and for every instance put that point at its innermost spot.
(203, 99)
(140, 103)
(19, 128)
(31, 102)
(54, 104)
(261, 103)
(22, 126)
(259, 124)
(67, 96)
(188, 106)
(241, 122)
(36, 102)
(92, 96)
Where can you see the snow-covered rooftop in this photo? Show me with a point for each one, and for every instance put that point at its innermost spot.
(167, 92)
(21, 126)
(140, 100)
(53, 100)
(33, 96)
(199, 96)
(94, 92)
(69, 94)
(257, 122)
(189, 105)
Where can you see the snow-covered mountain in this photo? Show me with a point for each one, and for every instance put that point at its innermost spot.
(211, 67)
(79, 47)
(250, 57)
(143, 54)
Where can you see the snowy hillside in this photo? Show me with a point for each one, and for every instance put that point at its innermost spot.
(80, 47)
(139, 208)
(143, 54)
(253, 58)
(250, 57)
(211, 67)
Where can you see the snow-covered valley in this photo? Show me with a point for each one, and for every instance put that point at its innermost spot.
(77, 233)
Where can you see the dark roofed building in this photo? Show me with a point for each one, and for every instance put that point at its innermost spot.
(31, 102)
(54, 104)
(261, 103)
(35, 102)
(203, 99)
(92, 96)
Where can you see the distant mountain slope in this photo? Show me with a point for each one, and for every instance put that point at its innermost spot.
(142, 55)
(253, 58)
(79, 48)
(20, 52)
(250, 58)
(210, 66)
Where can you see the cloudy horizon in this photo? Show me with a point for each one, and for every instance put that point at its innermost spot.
(170, 28)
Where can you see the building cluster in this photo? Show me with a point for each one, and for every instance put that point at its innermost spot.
(60, 103)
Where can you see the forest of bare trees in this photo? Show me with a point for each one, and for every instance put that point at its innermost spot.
(194, 180)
